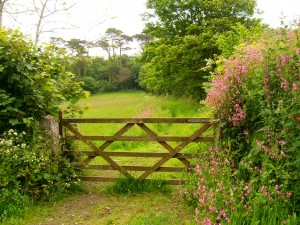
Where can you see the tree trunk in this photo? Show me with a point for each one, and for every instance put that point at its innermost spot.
(2, 2)
(38, 26)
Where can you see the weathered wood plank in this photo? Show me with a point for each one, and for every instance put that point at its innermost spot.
(133, 154)
(132, 168)
(136, 120)
(141, 138)
(112, 179)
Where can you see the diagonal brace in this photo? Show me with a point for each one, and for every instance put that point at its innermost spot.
(100, 152)
(163, 143)
(176, 150)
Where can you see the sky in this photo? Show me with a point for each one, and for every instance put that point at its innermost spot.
(89, 19)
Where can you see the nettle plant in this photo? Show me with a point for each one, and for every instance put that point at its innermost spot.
(256, 95)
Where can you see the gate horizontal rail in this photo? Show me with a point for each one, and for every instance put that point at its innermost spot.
(68, 124)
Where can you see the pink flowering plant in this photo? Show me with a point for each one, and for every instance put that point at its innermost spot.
(253, 176)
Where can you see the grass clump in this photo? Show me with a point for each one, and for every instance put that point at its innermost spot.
(131, 185)
(154, 219)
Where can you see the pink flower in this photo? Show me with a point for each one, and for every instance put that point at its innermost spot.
(283, 59)
(202, 201)
(289, 194)
(283, 83)
(282, 142)
(197, 211)
(295, 86)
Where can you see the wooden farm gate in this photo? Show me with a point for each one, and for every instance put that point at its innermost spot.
(69, 131)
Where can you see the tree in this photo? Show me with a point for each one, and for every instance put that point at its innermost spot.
(43, 11)
(40, 11)
(143, 39)
(184, 35)
(33, 81)
(114, 39)
(111, 36)
(122, 43)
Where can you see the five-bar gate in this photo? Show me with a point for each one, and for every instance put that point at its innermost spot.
(69, 131)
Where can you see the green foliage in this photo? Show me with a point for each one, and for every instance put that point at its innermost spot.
(255, 94)
(185, 35)
(131, 185)
(33, 80)
(90, 84)
(28, 171)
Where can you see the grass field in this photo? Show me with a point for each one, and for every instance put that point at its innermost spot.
(139, 104)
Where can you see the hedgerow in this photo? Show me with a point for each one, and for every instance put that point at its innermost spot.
(33, 83)
(253, 176)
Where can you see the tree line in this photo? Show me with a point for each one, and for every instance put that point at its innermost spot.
(178, 39)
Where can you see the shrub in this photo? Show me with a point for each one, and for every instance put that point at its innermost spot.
(256, 97)
(90, 84)
(33, 80)
(29, 172)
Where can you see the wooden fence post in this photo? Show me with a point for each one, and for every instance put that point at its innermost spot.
(61, 131)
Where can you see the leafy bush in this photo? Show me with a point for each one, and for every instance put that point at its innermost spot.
(90, 84)
(29, 172)
(106, 86)
(253, 177)
(33, 80)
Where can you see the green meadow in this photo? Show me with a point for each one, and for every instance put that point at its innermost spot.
(138, 104)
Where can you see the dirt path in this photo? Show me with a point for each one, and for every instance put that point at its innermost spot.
(98, 207)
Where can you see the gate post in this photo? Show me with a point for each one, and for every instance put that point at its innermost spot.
(61, 131)
(50, 127)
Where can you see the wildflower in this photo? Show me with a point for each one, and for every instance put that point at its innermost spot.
(202, 201)
(283, 84)
(23, 145)
(283, 59)
(295, 86)
(211, 208)
(197, 211)
(282, 142)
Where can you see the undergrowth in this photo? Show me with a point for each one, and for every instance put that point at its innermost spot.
(135, 186)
